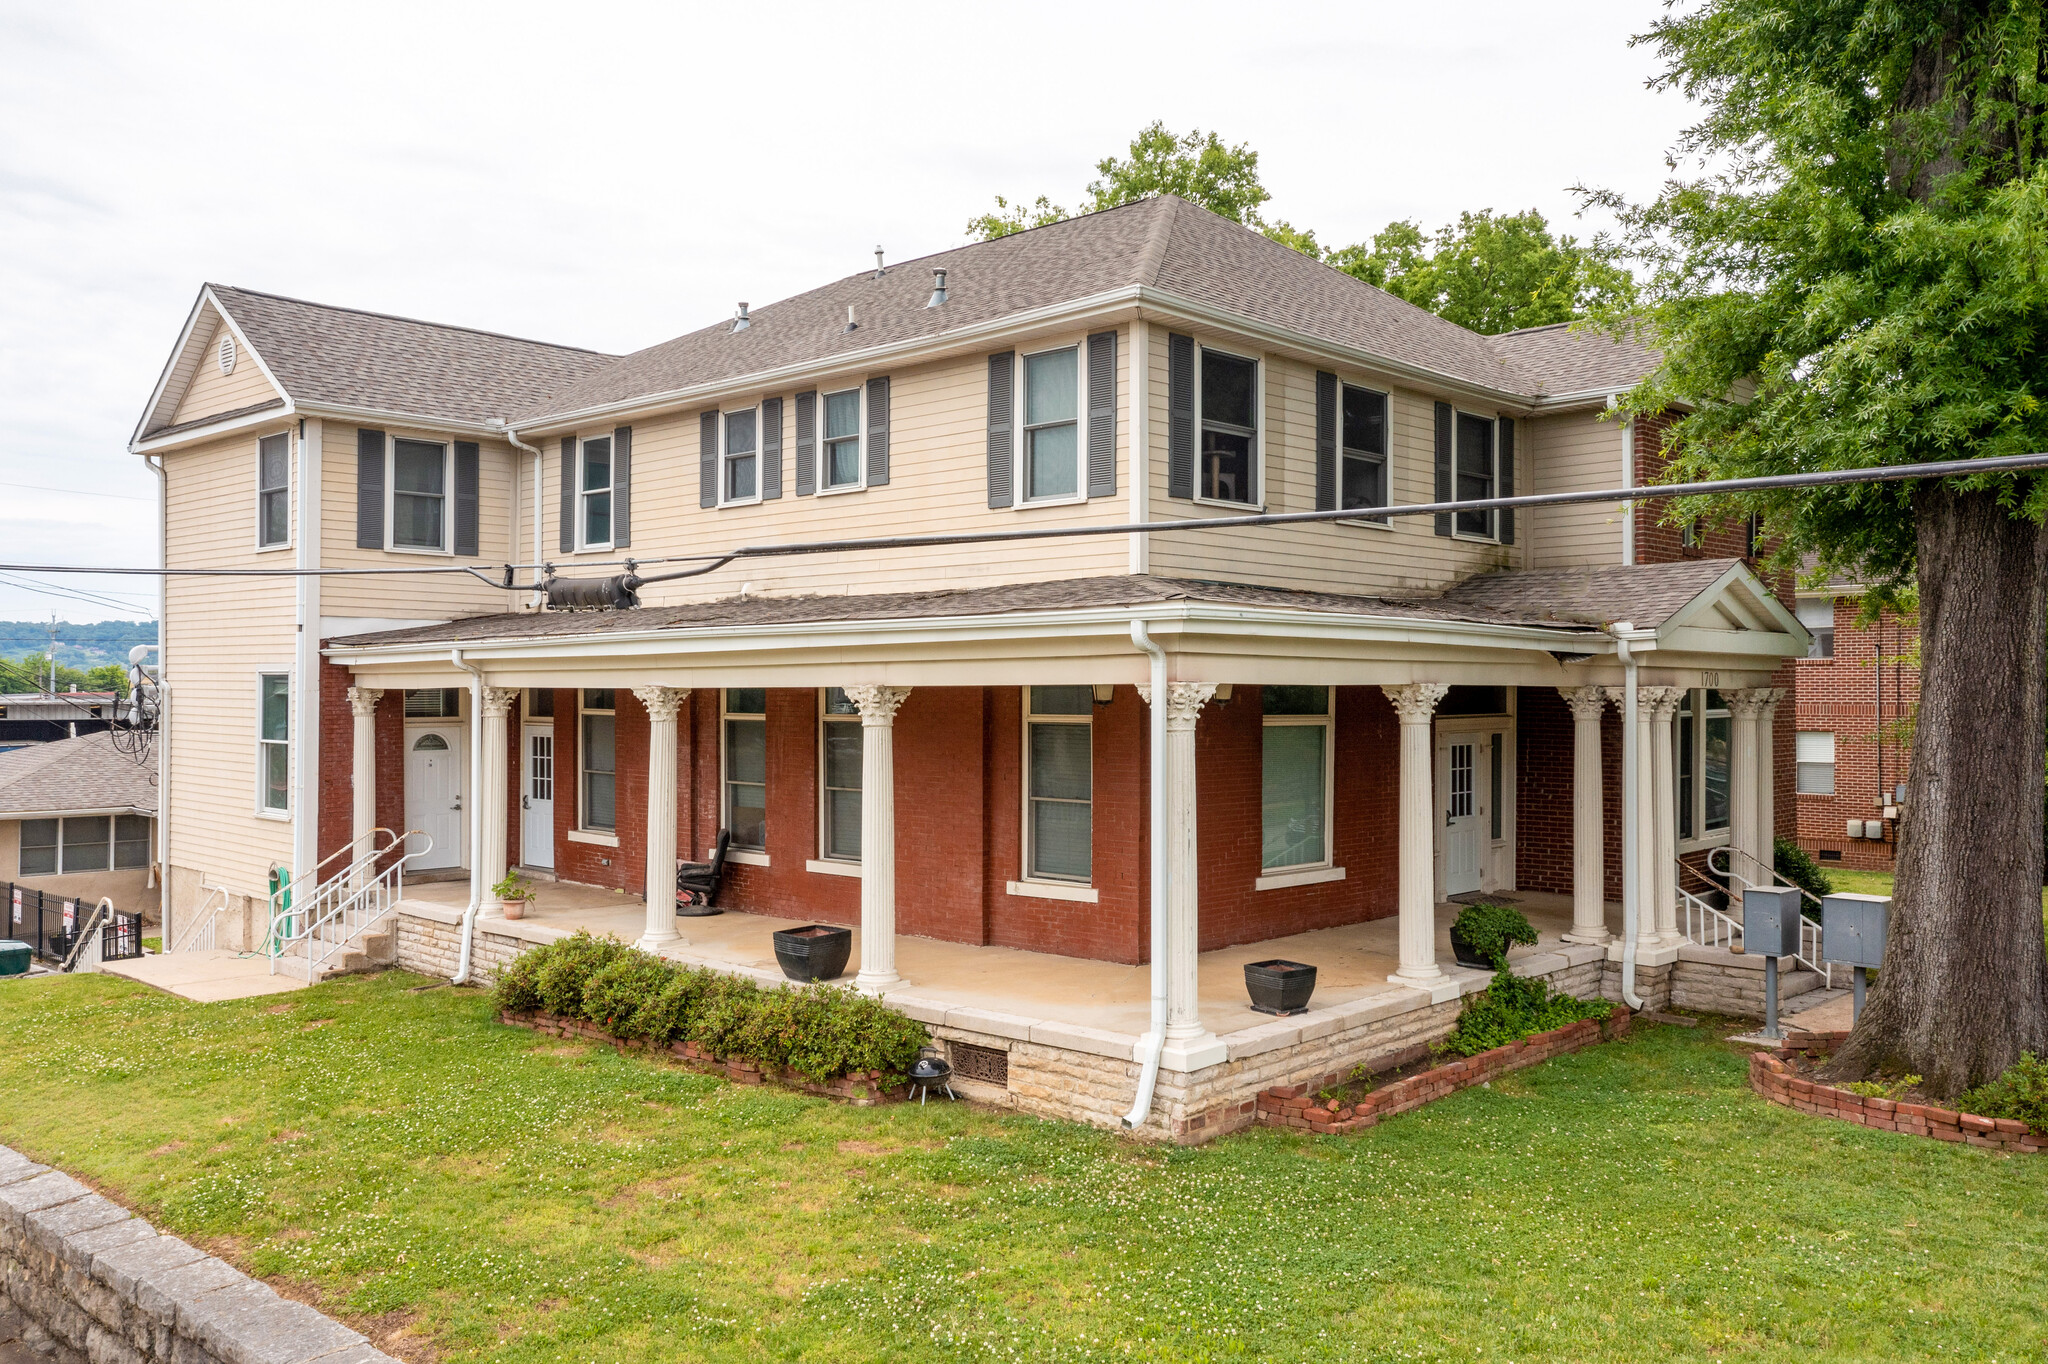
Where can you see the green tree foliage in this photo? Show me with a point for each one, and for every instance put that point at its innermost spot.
(33, 674)
(1492, 272)
(1197, 166)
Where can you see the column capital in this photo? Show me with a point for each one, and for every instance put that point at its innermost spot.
(362, 701)
(1662, 701)
(661, 702)
(1749, 703)
(1771, 696)
(1415, 702)
(498, 701)
(1586, 703)
(877, 704)
(1184, 702)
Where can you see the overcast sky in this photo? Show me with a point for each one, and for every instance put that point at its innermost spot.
(613, 175)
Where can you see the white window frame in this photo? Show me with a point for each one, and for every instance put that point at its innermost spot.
(583, 824)
(859, 388)
(1386, 396)
(724, 459)
(749, 856)
(1800, 763)
(1020, 433)
(1258, 364)
(391, 544)
(1701, 836)
(610, 490)
(290, 484)
(825, 853)
(1027, 878)
(264, 810)
(1492, 537)
(1327, 721)
(1815, 629)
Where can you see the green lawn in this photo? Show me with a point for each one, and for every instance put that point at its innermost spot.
(498, 1195)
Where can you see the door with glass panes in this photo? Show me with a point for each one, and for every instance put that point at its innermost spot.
(1461, 759)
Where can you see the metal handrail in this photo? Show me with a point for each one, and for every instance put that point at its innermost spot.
(1771, 872)
(89, 934)
(202, 922)
(340, 908)
(1705, 925)
(1809, 931)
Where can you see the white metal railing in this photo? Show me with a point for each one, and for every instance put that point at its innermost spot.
(86, 949)
(199, 935)
(1705, 925)
(318, 919)
(1809, 931)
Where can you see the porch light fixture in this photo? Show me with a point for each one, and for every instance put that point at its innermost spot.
(1224, 691)
(1105, 692)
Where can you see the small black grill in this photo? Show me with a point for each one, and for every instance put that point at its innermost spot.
(927, 1071)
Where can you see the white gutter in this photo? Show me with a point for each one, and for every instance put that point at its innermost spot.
(512, 437)
(1631, 907)
(305, 722)
(1154, 1040)
(476, 812)
(163, 697)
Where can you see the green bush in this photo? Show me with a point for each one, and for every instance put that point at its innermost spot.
(818, 1031)
(1514, 1007)
(2020, 1093)
(1796, 868)
(1492, 929)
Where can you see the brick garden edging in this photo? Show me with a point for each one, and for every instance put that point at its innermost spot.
(1777, 1080)
(862, 1089)
(1295, 1105)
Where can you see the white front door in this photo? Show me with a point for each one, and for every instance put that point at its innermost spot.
(433, 794)
(537, 799)
(1459, 757)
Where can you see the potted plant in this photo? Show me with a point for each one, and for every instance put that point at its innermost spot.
(1485, 930)
(513, 892)
(1279, 987)
(813, 952)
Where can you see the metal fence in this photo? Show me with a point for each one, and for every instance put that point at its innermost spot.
(49, 923)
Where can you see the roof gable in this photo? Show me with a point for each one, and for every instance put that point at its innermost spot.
(214, 374)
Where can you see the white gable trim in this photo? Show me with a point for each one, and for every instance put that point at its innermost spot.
(184, 365)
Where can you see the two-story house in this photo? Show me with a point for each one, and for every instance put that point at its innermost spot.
(1017, 759)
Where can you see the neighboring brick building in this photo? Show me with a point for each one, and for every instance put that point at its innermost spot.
(1856, 693)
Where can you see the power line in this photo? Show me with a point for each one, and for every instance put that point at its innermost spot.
(63, 592)
(74, 492)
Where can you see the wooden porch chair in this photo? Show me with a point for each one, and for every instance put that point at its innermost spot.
(697, 882)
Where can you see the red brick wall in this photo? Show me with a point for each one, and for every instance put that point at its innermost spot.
(624, 867)
(1840, 695)
(335, 783)
(1543, 793)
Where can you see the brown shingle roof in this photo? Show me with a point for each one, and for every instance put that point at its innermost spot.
(1569, 600)
(86, 773)
(348, 358)
(1561, 359)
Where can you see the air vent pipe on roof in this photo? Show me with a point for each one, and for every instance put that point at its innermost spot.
(879, 269)
(938, 289)
(850, 323)
(740, 321)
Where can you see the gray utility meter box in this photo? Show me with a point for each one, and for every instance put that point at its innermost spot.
(1852, 929)
(1770, 921)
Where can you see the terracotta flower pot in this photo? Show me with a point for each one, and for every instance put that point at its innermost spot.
(514, 906)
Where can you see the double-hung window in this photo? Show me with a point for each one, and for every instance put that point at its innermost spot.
(1474, 470)
(746, 767)
(594, 492)
(84, 843)
(419, 494)
(1815, 753)
(1294, 802)
(1817, 614)
(1705, 734)
(1052, 424)
(273, 741)
(1059, 783)
(598, 757)
(1230, 427)
(839, 744)
(842, 466)
(273, 491)
(1362, 448)
(739, 475)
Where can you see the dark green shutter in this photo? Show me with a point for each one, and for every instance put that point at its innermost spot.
(466, 492)
(1002, 374)
(568, 536)
(1446, 422)
(878, 432)
(369, 489)
(1326, 441)
(622, 487)
(707, 460)
(806, 443)
(1506, 458)
(1102, 414)
(771, 448)
(1180, 416)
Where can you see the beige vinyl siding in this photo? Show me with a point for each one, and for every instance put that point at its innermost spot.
(219, 633)
(1574, 451)
(504, 534)
(211, 392)
(1332, 556)
(938, 482)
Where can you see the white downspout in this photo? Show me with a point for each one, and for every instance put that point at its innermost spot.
(1154, 1040)
(1630, 906)
(305, 725)
(163, 699)
(512, 437)
(1628, 480)
(476, 812)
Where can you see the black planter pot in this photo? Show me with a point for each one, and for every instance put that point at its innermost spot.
(1279, 987)
(1466, 953)
(813, 952)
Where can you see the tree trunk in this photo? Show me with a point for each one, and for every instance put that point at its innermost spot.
(1964, 989)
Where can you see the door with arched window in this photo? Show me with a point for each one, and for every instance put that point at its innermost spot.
(433, 795)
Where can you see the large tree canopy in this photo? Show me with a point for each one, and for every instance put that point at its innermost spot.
(1854, 277)
(1489, 272)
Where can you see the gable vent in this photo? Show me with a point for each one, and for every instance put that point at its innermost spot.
(227, 355)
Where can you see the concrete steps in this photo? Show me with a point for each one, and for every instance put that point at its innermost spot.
(375, 948)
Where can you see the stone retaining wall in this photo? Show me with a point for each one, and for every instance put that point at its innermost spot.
(1778, 1080)
(84, 1281)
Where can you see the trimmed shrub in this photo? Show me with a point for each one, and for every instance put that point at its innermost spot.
(569, 965)
(518, 987)
(2021, 1093)
(1514, 1007)
(620, 995)
(1796, 868)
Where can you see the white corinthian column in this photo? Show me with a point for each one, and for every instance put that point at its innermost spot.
(878, 706)
(1751, 859)
(1662, 704)
(1184, 702)
(362, 703)
(493, 792)
(1589, 817)
(662, 704)
(1415, 703)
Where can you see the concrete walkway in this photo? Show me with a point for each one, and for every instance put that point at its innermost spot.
(206, 977)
